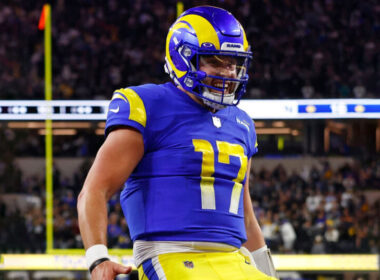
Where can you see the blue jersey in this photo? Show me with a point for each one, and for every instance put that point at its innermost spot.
(189, 184)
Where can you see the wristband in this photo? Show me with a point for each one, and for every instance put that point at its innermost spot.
(95, 253)
(96, 263)
(264, 262)
(259, 251)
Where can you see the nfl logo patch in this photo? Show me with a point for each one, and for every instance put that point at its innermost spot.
(188, 264)
(216, 121)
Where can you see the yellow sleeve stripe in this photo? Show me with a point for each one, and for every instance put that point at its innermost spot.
(119, 96)
(256, 144)
(137, 110)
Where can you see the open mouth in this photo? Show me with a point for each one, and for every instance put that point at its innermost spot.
(219, 85)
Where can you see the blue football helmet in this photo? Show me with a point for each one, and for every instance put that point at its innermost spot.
(209, 36)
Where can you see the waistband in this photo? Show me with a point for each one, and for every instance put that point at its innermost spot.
(143, 250)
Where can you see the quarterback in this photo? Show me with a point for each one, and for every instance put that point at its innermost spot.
(182, 152)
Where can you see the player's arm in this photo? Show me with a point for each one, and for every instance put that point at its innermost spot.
(255, 241)
(114, 162)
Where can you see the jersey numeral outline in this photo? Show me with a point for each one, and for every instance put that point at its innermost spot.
(225, 151)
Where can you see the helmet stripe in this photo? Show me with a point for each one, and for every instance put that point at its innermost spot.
(137, 111)
(175, 27)
(206, 33)
(245, 42)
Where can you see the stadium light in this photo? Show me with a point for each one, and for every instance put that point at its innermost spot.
(285, 109)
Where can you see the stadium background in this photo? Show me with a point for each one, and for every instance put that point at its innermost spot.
(315, 182)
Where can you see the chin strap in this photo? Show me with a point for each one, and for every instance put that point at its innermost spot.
(264, 262)
(217, 97)
(213, 105)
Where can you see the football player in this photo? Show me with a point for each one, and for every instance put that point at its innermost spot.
(183, 152)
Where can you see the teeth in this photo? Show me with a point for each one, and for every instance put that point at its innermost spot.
(220, 86)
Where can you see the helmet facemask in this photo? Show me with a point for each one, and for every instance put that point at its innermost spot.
(219, 88)
(216, 89)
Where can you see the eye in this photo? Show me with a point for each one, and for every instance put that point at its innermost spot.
(218, 61)
(211, 60)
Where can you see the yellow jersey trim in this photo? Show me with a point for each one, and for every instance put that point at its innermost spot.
(137, 110)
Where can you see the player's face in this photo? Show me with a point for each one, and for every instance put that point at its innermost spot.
(223, 66)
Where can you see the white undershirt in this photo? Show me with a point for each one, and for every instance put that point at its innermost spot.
(143, 250)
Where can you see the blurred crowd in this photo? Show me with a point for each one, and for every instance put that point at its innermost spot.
(319, 210)
(302, 49)
(22, 211)
(28, 143)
